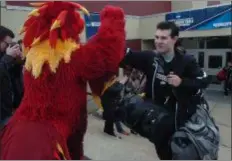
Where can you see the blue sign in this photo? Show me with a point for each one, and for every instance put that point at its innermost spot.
(202, 19)
(92, 24)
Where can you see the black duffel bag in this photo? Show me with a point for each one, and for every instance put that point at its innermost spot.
(199, 139)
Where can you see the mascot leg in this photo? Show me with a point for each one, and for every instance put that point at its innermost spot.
(75, 146)
(76, 141)
(27, 140)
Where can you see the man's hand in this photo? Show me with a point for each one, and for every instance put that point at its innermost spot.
(123, 80)
(13, 51)
(174, 80)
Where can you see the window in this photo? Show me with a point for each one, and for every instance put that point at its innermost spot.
(228, 56)
(201, 59)
(201, 43)
(218, 43)
(215, 62)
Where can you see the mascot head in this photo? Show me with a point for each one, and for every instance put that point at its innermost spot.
(51, 34)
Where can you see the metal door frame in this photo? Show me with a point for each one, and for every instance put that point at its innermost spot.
(215, 52)
(207, 53)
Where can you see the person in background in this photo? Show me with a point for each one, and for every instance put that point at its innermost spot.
(110, 120)
(228, 79)
(134, 84)
(225, 74)
(109, 123)
(10, 74)
(118, 123)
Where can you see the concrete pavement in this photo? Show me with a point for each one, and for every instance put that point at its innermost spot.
(100, 146)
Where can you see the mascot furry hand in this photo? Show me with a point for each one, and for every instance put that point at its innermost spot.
(52, 118)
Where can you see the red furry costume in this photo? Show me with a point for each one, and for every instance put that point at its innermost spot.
(52, 118)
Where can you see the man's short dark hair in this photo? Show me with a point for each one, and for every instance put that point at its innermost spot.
(165, 25)
(5, 32)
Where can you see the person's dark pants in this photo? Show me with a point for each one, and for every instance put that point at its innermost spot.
(165, 130)
(167, 126)
(109, 127)
(119, 127)
(108, 116)
(226, 87)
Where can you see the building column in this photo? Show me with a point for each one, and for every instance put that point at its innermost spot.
(199, 4)
(188, 5)
(181, 5)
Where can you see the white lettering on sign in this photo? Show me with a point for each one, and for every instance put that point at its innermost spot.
(93, 24)
(222, 24)
(183, 21)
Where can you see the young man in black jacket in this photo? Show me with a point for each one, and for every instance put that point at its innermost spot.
(175, 85)
(11, 87)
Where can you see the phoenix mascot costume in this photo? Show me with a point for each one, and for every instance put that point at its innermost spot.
(52, 118)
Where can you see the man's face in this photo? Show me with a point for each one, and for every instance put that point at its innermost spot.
(164, 43)
(5, 43)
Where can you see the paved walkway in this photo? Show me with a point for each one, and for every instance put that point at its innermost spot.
(100, 146)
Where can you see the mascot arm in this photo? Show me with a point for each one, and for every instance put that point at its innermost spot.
(104, 51)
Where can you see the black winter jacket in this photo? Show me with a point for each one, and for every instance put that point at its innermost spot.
(11, 85)
(187, 95)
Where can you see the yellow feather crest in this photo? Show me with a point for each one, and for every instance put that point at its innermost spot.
(42, 53)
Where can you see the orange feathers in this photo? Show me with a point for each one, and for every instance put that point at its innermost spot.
(53, 20)
(51, 34)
